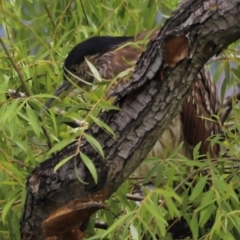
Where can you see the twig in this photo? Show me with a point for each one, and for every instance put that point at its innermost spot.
(84, 13)
(40, 75)
(49, 15)
(45, 133)
(218, 58)
(16, 68)
(6, 26)
(222, 58)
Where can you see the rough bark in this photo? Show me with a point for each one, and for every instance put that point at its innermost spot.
(195, 32)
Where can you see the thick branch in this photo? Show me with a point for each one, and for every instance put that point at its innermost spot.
(148, 103)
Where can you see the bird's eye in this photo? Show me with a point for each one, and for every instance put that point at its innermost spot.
(74, 70)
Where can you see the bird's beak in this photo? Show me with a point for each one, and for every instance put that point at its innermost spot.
(61, 93)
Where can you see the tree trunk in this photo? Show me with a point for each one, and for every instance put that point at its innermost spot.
(196, 31)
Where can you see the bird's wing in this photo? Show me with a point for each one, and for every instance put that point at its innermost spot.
(197, 114)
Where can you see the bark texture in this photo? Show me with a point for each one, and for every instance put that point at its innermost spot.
(196, 31)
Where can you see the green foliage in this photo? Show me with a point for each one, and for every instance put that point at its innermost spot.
(38, 36)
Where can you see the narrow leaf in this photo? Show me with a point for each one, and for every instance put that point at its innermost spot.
(104, 126)
(93, 70)
(115, 226)
(90, 166)
(33, 120)
(198, 188)
(94, 143)
(106, 105)
(61, 163)
(60, 145)
(6, 209)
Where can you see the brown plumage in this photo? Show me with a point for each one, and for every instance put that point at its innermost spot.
(197, 114)
(113, 55)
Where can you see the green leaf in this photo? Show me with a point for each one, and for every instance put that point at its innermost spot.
(156, 212)
(33, 120)
(134, 232)
(119, 222)
(206, 201)
(93, 70)
(175, 151)
(61, 163)
(77, 173)
(217, 223)
(104, 126)
(96, 237)
(6, 209)
(107, 105)
(149, 227)
(226, 235)
(194, 226)
(9, 183)
(90, 166)
(10, 112)
(60, 145)
(205, 214)
(236, 72)
(196, 151)
(172, 208)
(198, 189)
(225, 81)
(14, 170)
(76, 107)
(94, 143)
(158, 216)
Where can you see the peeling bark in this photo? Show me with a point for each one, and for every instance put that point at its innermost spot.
(149, 101)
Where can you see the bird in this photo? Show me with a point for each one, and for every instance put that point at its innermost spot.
(102, 52)
(195, 122)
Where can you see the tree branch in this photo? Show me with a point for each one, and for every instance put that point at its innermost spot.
(148, 102)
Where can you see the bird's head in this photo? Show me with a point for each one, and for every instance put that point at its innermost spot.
(76, 71)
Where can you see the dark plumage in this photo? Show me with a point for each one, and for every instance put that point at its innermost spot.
(92, 46)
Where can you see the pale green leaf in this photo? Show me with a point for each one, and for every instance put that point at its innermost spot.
(60, 145)
(93, 70)
(198, 188)
(104, 126)
(90, 166)
(134, 232)
(94, 143)
(107, 105)
(61, 163)
(33, 120)
(119, 222)
(7, 208)
(194, 226)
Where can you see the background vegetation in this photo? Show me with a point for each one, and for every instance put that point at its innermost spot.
(36, 37)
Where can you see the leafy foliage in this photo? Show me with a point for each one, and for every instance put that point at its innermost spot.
(37, 38)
